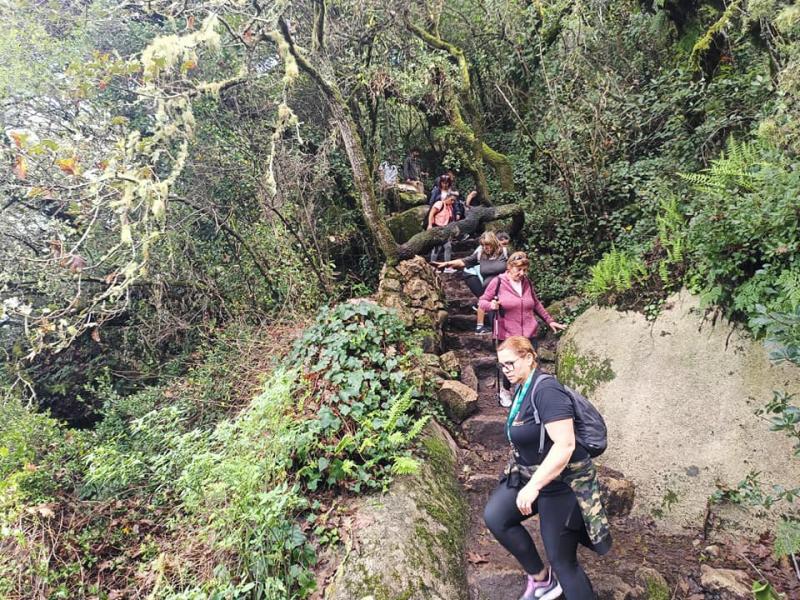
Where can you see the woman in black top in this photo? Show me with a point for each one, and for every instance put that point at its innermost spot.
(514, 500)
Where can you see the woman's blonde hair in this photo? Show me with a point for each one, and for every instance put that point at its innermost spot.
(489, 240)
(521, 346)
(518, 259)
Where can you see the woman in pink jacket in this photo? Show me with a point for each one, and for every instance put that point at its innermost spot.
(516, 305)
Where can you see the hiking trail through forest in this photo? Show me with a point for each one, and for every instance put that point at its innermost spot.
(642, 559)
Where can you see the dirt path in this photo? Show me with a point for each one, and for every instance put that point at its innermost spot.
(639, 549)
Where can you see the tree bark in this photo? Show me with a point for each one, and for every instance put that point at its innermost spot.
(476, 217)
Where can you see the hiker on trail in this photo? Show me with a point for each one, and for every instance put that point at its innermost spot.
(412, 171)
(480, 269)
(442, 214)
(444, 183)
(513, 298)
(557, 481)
(447, 181)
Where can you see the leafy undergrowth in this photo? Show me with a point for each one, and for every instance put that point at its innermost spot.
(177, 497)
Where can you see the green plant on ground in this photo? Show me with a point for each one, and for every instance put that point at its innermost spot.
(671, 225)
(656, 590)
(353, 359)
(667, 501)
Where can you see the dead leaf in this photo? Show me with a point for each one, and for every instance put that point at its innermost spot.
(77, 263)
(19, 138)
(475, 558)
(96, 335)
(68, 165)
(21, 167)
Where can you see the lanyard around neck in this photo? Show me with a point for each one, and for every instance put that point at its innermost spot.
(517, 405)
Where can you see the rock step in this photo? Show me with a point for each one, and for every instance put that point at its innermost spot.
(464, 322)
(495, 584)
(487, 430)
(475, 342)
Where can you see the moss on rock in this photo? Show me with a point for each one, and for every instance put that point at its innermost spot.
(411, 543)
(584, 372)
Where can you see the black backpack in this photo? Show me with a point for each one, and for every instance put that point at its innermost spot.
(590, 428)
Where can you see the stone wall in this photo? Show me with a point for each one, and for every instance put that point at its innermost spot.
(408, 544)
(413, 289)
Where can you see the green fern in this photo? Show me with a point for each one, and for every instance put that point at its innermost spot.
(616, 272)
(400, 406)
(789, 283)
(405, 465)
(787, 537)
(736, 168)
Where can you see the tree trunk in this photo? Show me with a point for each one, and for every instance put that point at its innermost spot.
(354, 148)
(424, 241)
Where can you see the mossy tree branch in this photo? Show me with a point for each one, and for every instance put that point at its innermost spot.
(424, 241)
(353, 147)
(469, 127)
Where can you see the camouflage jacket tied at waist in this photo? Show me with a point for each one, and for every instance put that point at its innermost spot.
(581, 476)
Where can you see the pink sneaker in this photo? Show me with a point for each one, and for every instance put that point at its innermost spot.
(547, 589)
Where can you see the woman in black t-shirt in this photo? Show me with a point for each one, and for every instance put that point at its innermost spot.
(515, 499)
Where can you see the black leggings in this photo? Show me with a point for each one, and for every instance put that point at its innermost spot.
(562, 529)
(474, 284)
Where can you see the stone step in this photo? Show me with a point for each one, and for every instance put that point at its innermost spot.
(480, 343)
(457, 322)
(487, 430)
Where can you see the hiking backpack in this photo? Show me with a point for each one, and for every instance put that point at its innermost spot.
(590, 428)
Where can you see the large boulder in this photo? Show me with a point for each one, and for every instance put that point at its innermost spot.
(679, 395)
(410, 542)
(407, 224)
(402, 197)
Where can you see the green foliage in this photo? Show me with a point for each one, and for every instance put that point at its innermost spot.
(783, 416)
(583, 372)
(782, 331)
(38, 457)
(354, 359)
(340, 414)
(672, 235)
(787, 537)
(743, 229)
(616, 273)
(762, 590)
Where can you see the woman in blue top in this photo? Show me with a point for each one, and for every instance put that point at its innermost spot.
(515, 499)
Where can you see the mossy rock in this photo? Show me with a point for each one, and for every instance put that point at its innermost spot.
(409, 543)
(407, 224)
(399, 200)
(584, 372)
